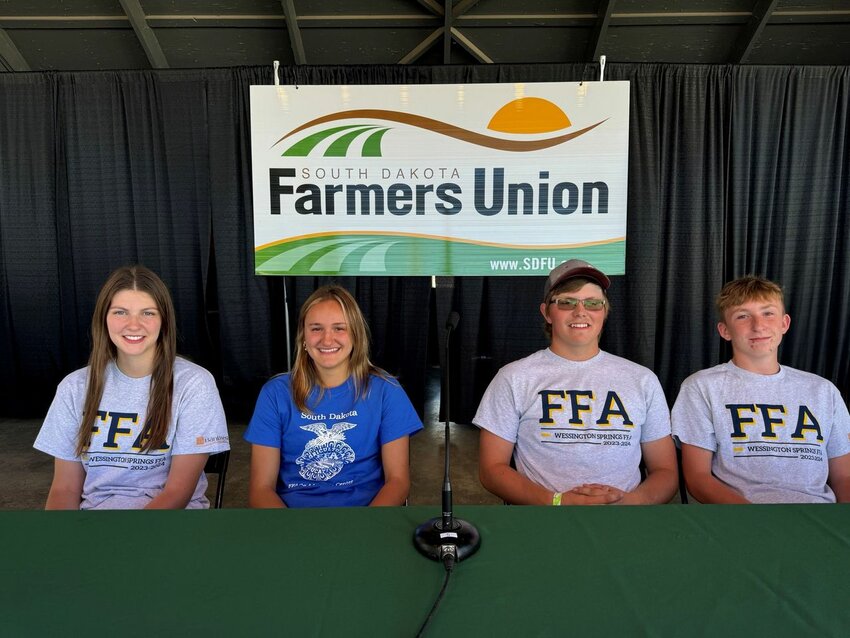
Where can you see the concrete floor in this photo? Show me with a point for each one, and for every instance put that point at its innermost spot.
(25, 473)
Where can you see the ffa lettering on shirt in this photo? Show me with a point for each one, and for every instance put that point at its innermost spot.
(756, 432)
(762, 419)
(579, 403)
(117, 427)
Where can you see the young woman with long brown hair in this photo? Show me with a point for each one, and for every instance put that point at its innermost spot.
(134, 428)
(334, 431)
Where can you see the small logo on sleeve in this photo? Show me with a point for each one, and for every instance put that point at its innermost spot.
(208, 440)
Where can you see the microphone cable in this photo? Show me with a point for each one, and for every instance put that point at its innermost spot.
(449, 563)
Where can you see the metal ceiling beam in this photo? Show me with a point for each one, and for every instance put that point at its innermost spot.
(64, 22)
(294, 31)
(451, 33)
(463, 7)
(429, 17)
(433, 6)
(369, 22)
(525, 20)
(422, 47)
(419, 50)
(603, 18)
(144, 33)
(10, 56)
(354, 21)
(744, 46)
(676, 19)
(448, 19)
(470, 48)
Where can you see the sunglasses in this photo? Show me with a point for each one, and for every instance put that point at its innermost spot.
(571, 303)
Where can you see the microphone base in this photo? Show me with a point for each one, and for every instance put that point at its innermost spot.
(429, 538)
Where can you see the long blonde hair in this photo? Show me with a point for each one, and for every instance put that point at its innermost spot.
(103, 351)
(304, 377)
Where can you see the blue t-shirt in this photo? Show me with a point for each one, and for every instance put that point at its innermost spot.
(331, 457)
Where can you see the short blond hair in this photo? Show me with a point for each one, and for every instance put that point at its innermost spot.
(747, 288)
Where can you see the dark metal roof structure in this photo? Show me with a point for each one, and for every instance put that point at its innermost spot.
(64, 35)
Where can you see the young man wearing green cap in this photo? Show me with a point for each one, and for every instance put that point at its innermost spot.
(575, 419)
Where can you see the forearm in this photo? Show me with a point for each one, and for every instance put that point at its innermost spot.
(264, 498)
(659, 487)
(509, 485)
(66, 488)
(839, 477)
(181, 484)
(707, 488)
(394, 492)
(61, 499)
(841, 489)
(169, 500)
(702, 484)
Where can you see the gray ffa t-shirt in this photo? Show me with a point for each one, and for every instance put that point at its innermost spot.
(772, 435)
(575, 422)
(118, 474)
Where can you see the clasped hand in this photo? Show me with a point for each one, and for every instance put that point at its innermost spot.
(592, 494)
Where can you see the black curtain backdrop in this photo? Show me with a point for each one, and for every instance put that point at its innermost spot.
(732, 170)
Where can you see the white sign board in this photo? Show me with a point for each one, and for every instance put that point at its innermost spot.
(477, 179)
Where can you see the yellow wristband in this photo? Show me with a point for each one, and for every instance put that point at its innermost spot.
(556, 498)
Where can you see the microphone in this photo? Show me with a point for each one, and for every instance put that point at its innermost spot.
(446, 538)
(451, 324)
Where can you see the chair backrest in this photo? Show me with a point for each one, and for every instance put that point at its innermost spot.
(683, 488)
(217, 464)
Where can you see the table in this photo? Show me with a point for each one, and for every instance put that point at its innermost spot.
(670, 570)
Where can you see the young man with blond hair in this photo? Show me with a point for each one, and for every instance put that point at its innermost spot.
(753, 431)
(575, 419)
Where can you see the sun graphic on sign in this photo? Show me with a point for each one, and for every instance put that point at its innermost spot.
(529, 115)
(522, 116)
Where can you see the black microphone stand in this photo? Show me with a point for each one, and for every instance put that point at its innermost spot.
(446, 538)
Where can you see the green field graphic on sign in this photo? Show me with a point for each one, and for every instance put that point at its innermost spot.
(382, 254)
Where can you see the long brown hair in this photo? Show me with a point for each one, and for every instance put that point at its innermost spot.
(103, 351)
(304, 377)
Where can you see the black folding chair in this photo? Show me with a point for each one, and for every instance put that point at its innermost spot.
(683, 487)
(217, 464)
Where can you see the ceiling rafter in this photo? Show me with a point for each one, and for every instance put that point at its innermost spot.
(760, 17)
(526, 20)
(433, 6)
(471, 48)
(10, 56)
(433, 17)
(146, 36)
(440, 11)
(448, 22)
(818, 31)
(452, 33)
(416, 52)
(603, 19)
(368, 22)
(463, 7)
(294, 31)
